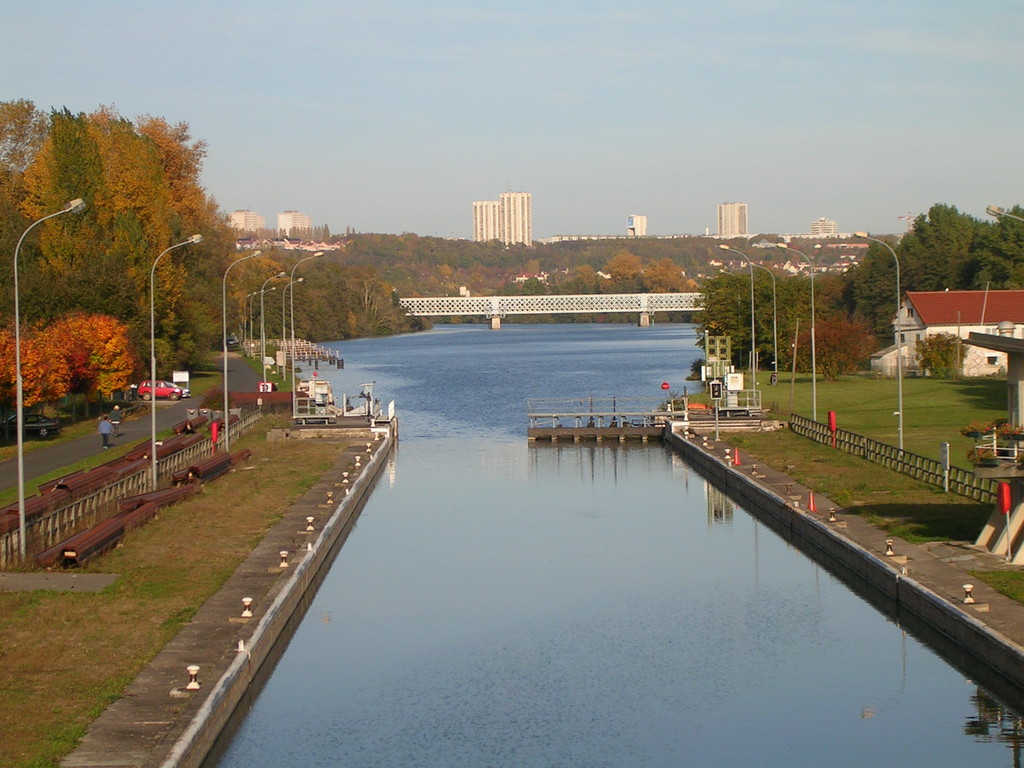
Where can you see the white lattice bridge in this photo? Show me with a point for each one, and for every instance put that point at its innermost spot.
(497, 307)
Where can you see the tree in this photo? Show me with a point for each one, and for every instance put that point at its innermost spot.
(843, 345)
(663, 276)
(938, 253)
(940, 354)
(624, 267)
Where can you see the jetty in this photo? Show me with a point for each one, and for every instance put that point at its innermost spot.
(601, 418)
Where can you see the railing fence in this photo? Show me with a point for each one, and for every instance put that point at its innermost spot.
(961, 481)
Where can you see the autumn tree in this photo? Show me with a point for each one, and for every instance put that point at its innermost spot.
(624, 267)
(940, 354)
(843, 345)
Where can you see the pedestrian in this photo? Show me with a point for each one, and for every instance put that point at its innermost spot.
(105, 429)
(115, 420)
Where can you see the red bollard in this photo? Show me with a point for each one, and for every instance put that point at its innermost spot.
(736, 457)
(810, 503)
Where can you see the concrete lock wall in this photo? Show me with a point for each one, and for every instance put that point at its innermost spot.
(984, 644)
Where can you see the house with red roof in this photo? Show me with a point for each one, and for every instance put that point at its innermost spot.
(960, 313)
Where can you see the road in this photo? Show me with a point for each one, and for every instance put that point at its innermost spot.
(42, 461)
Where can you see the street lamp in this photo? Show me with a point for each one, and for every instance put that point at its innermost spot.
(753, 343)
(995, 210)
(899, 336)
(814, 359)
(152, 352)
(284, 324)
(248, 324)
(775, 322)
(73, 206)
(224, 332)
(296, 266)
(263, 325)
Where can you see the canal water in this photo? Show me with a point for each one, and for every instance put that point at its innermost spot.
(503, 604)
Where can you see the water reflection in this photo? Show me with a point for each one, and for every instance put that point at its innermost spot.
(587, 605)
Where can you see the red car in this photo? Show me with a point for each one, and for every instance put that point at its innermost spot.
(162, 389)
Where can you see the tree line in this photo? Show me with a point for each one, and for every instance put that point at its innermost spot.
(84, 278)
(944, 249)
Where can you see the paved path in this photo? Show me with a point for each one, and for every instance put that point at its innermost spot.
(57, 455)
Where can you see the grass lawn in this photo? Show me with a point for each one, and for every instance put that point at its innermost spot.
(934, 412)
(52, 685)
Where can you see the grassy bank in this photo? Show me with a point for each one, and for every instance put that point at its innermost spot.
(934, 412)
(65, 656)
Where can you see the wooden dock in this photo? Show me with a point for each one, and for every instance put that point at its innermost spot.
(599, 419)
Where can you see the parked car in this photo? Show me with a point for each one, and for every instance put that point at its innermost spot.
(36, 424)
(163, 389)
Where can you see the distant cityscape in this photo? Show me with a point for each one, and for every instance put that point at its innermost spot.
(509, 220)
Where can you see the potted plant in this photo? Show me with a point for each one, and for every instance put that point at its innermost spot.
(976, 429)
(1011, 431)
(983, 457)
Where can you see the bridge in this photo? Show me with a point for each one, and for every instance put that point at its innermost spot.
(497, 307)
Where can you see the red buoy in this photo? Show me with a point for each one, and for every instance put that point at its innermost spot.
(664, 385)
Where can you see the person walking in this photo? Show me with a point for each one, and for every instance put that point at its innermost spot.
(115, 420)
(105, 429)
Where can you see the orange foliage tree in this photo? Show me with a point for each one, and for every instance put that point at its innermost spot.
(97, 351)
(45, 376)
(79, 353)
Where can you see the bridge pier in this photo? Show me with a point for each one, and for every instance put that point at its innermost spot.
(495, 322)
(645, 319)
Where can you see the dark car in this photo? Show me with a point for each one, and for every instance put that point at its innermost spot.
(36, 424)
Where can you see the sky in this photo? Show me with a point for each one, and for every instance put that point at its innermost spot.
(395, 115)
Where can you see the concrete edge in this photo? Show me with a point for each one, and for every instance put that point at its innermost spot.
(983, 643)
(192, 746)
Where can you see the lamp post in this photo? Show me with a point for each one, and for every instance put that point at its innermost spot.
(224, 336)
(899, 336)
(753, 341)
(814, 352)
(263, 324)
(775, 321)
(73, 206)
(248, 324)
(995, 210)
(284, 325)
(152, 352)
(294, 267)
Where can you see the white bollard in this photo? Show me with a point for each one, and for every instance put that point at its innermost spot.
(888, 548)
(193, 677)
(284, 558)
(968, 597)
(309, 523)
(246, 607)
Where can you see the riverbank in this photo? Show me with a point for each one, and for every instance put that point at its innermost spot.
(174, 710)
(918, 581)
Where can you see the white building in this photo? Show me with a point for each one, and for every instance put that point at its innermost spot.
(486, 216)
(824, 228)
(959, 313)
(291, 223)
(732, 220)
(509, 219)
(247, 221)
(636, 225)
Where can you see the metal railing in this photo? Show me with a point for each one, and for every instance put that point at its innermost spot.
(50, 528)
(960, 481)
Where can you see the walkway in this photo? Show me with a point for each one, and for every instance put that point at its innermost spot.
(56, 456)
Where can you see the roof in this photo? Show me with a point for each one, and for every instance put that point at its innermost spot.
(967, 307)
(1007, 344)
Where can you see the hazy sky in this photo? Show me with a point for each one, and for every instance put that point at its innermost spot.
(395, 115)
